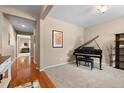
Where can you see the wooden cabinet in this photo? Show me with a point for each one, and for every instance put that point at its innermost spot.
(119, 51)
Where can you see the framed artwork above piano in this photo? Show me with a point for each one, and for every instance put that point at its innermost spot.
(57, 39)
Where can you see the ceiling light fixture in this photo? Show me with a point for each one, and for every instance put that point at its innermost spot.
(23, 25)
(102, 8)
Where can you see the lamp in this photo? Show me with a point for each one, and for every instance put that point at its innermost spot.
(102, 8)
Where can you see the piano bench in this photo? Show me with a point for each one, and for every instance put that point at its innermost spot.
(86, 60)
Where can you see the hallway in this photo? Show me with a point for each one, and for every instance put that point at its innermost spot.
(24, 70)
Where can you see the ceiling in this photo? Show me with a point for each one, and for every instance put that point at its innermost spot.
(81, 15)
(34, 10)
(85, 15)
(21, 24)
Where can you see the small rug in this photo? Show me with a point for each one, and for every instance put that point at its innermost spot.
(35, 84)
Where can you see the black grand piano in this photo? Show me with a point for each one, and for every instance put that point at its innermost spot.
(88, 52)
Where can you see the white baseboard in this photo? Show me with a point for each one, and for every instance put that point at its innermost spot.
(42, 69)
(52, 66)
(14, 60)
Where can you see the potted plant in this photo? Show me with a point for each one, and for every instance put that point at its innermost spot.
(111, 48)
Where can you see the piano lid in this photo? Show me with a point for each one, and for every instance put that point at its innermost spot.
(93, 39)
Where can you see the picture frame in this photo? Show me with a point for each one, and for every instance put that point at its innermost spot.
(57, 39)
(10, 40)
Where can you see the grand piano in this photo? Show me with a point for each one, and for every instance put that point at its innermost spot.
(89, 52)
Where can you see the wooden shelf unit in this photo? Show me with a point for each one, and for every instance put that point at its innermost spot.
(119, 51)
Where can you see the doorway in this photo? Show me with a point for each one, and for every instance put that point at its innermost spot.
(23, 45)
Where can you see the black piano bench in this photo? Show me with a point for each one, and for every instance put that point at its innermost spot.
(86, 60)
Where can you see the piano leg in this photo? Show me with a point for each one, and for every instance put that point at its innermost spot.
(100, 63)
(76, 61)
(91, 65)
(88, 64)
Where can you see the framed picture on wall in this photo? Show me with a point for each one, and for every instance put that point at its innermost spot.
(10, 39)
(57, 39)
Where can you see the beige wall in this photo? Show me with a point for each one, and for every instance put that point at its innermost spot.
(5, 29)
(1, 33)
(72, 38)
(32, 45)
(106, 32)
(37, 43)
(42, 44)
(0, 43)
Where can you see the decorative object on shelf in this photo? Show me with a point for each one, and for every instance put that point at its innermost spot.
(57, 39)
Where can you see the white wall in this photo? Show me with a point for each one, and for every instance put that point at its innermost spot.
(5, 29)
(21, 39)
(106, 32)
(72, 38)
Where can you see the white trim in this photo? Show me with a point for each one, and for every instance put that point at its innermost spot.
(13, 60)
(52, 66)
(23, 54)
(42, 69)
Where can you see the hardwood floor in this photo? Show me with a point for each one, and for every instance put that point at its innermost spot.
(24, 70)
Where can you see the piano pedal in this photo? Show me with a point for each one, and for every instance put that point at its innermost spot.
(86, 64)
